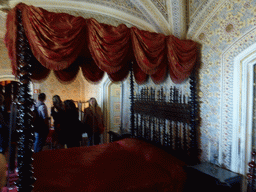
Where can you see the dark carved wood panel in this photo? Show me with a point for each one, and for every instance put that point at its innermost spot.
(169, 122)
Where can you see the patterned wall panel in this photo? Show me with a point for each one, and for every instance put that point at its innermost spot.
(115, 107)
(5, 62)
(2, 24)
(230, 31)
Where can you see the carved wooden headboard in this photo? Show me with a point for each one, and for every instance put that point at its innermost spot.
(167, 118)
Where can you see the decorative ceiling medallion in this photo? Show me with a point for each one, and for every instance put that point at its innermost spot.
(201, 36)
(229, 28)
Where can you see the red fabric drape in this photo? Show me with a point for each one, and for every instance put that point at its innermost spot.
(58, 40)
(182, 57)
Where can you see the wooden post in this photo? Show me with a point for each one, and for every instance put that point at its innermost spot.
(24, 117)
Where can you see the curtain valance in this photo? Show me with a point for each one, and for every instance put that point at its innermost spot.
(65, 43)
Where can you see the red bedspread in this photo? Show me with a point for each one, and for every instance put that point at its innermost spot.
(125, 165)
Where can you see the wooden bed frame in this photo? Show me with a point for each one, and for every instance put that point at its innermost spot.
(171, 125)
(169, 122)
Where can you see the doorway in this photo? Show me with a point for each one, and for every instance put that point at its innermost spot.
(244, 106)
(112, 110)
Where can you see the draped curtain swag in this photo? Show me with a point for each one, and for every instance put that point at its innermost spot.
(65, 43)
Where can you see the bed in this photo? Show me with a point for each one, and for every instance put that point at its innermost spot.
(163, 136)
(146, 159)
(126, 165)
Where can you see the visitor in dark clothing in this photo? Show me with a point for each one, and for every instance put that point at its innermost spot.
(41, 126)
(57, 113)
(72, 125)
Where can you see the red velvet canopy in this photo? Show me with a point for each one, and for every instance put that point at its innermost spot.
(65, 43)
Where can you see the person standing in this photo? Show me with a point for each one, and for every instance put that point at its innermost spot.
(41, 123)
(57, 113)
(93, 122)
(72, 125)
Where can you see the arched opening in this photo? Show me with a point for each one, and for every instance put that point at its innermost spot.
(243, 102)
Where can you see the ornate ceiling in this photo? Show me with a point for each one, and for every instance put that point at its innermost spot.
(161, 16)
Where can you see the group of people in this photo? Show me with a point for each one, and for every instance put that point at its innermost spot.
(68, 129)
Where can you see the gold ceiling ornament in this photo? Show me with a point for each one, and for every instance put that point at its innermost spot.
(201, 36)
(229, 28)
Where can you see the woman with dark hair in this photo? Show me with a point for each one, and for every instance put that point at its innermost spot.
(72, 125)
(57, 113)
(93, 121)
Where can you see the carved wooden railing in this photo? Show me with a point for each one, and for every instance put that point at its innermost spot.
(170, 123)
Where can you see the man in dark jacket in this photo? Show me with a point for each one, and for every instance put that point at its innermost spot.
(42, 124)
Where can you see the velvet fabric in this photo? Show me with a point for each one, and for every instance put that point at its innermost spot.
(59, 40)
(128, 165)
